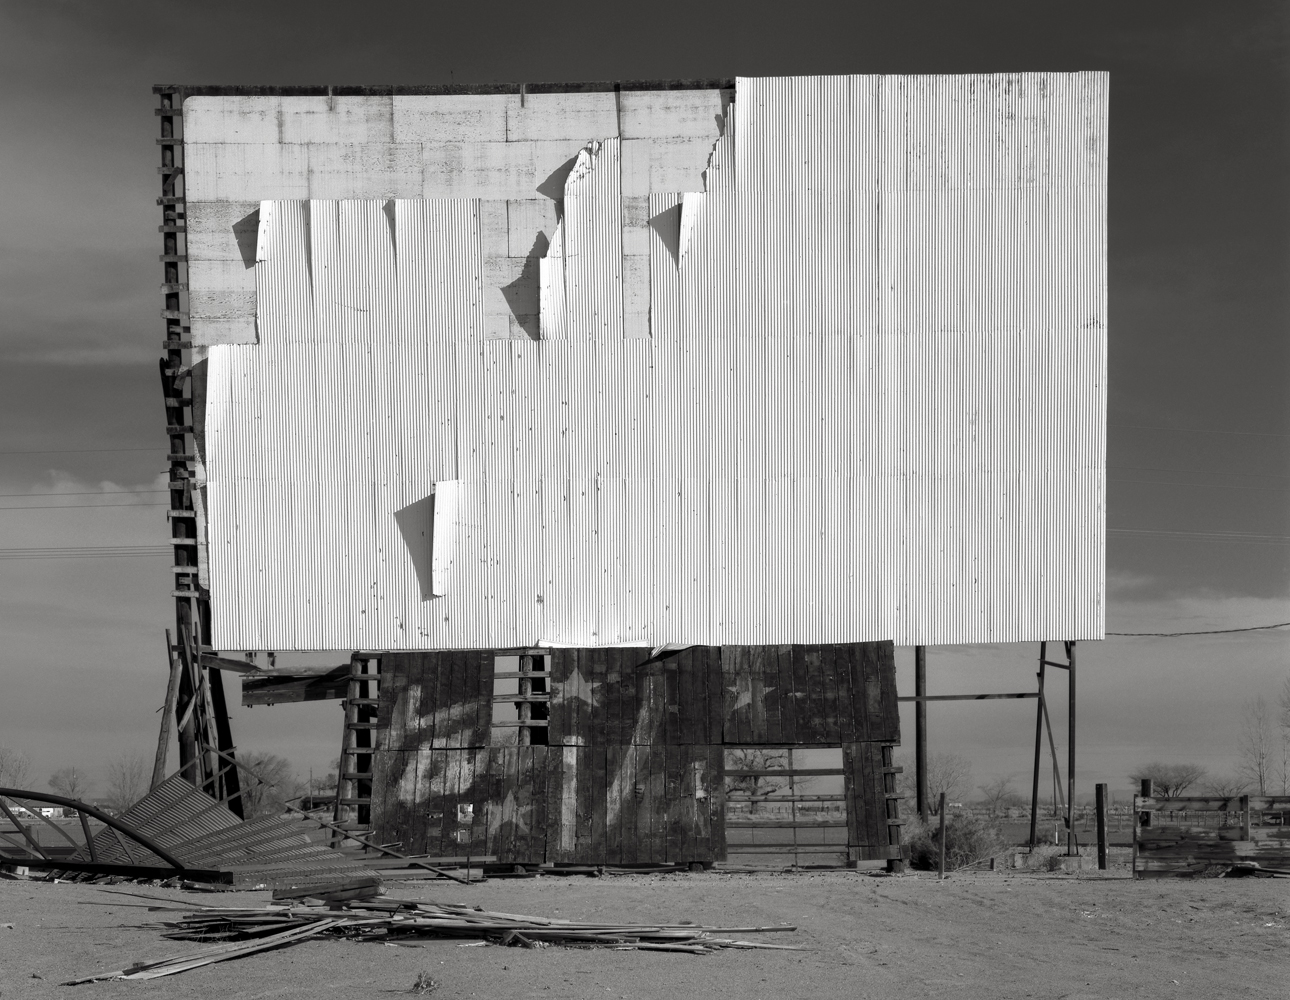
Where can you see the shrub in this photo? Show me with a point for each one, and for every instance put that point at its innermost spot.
(967, 839)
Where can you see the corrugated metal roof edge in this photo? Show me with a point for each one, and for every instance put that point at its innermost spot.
(400, 90)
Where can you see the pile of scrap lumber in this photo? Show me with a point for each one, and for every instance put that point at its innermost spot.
(244, 931)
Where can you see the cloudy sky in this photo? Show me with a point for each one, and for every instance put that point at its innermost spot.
(1199, 421)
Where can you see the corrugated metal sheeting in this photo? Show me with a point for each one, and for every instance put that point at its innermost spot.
(845, 383)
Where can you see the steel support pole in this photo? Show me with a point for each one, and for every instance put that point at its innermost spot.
(920, 730)
(1070, 750)
(1039, 742)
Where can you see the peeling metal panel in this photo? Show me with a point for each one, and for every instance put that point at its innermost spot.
(866, 400)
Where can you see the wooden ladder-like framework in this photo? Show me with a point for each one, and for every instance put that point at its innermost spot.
(358, 744)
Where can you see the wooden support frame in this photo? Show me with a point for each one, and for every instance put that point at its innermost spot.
(199, 705)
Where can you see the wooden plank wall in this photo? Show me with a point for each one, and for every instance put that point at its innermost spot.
(601, 804)
(633, 769)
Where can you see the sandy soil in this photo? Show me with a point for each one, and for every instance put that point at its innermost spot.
(996, 935)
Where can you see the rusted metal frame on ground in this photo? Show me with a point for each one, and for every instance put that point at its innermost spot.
(26, 834)
(920, 730)
(76, 845)
(88, 810)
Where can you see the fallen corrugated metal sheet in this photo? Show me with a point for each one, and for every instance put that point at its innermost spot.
(870, 404)
(202, 833)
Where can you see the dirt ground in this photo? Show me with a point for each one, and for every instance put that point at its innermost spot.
(995, 935)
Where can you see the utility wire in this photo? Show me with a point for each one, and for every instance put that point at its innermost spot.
(79, 506)
(1199, 430)
(1212, 631)
(77, 451)
(86, 493)
(87, 552)
(1204, 486)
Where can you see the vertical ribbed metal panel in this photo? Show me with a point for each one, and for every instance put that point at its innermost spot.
(593, 244)
(871, 405)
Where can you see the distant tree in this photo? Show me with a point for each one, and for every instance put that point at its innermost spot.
(756, 786)
(1283, 732)
(1169, 780)
(70, 782)
(950, 773)
(268, 781)
(15, 768)
(127, 781)
(999, 794)
(1225, 786)
(1257, 748)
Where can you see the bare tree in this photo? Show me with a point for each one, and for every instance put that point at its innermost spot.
(70, 782)
(15, 768)
(279, 784)
(1257, 747)
(999, 794)
(1283, 731)
(1225, 786)
(1168, 780)
(757, 786)
(127, 781)
(949, 773)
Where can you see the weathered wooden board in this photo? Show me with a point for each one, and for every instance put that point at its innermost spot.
(823, 694)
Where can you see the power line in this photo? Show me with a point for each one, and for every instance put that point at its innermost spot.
(86, 552)
(1197, 472)
(1212, 631)
(79, 506)
(86, 493)
(1207, 486)
(1200, 430)
(76, 451)
(1213, 536)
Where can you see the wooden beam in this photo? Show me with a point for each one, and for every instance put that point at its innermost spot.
(967, 697)
(281, 687)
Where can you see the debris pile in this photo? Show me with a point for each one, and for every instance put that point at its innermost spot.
(244, 931)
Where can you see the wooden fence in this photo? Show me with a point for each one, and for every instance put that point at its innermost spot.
(1188, 836)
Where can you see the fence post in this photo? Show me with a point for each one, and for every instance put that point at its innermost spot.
(1101, 827)
(1245, 818)
(940, 868)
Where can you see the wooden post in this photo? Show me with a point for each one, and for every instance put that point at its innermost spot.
(525, 706)
(1101, 827)
(940, 866)
(1070, 751)
(1039, 742)
(172, 692)
(1246, 823)
(920, 730)
(1146, 792)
